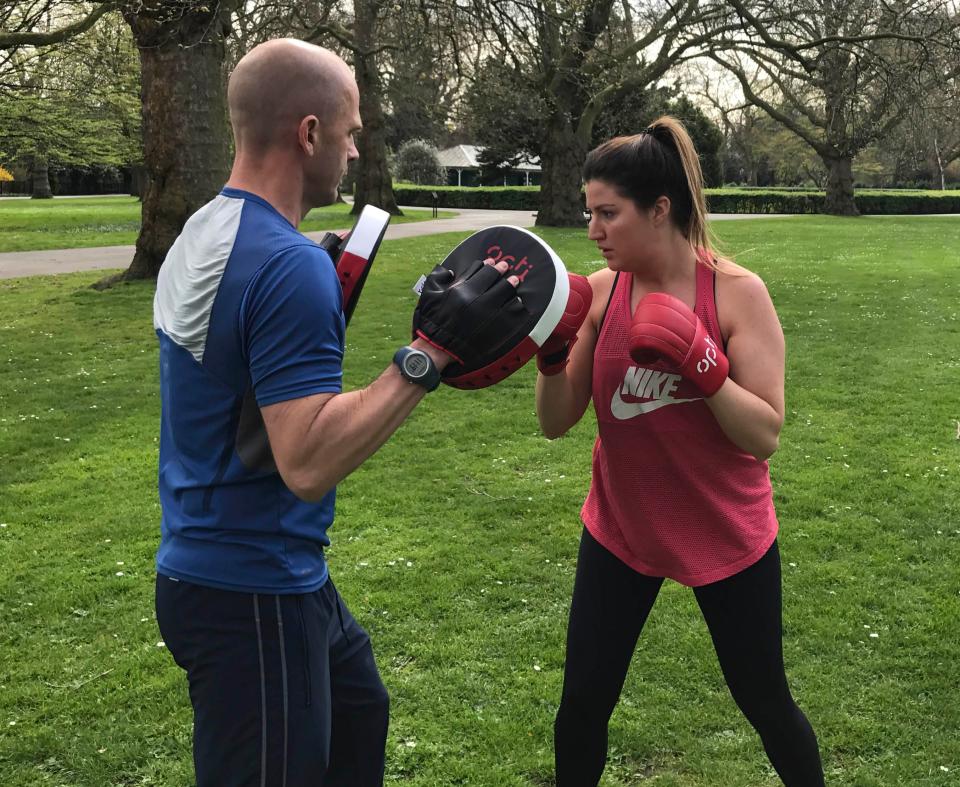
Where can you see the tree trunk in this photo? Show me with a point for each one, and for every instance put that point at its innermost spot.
(40, 176)
(562, 157)
(186, 142)
(940, 168)
(374, 185)
(840, 200)
(568, 131)
(138, 181)
(837, 154)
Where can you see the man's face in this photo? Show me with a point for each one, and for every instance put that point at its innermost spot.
(337, 148)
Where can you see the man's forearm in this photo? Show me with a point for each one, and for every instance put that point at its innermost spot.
(325, 437)
(348, 429)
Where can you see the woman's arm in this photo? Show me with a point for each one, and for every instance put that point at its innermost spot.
(563, 398)
(749, 406)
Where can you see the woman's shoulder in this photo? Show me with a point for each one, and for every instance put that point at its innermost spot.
(601, 278)
(601, 282)
(739, 281)
(743, 303)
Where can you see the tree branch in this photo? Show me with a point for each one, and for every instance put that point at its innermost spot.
(11, 39)
(821, 148)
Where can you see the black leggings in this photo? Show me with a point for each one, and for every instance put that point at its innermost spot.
(610, 604)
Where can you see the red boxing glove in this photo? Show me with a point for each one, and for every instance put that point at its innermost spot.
(665, 330)
(554, 355)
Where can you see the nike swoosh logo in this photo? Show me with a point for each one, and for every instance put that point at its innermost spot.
(622, 410)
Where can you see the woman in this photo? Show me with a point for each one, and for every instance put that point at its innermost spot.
(683, 356)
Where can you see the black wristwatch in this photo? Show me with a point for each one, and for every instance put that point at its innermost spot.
(417, 367)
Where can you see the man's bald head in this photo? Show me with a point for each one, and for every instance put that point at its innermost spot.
(278, 83)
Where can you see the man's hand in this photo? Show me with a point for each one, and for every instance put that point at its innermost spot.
(461, 313)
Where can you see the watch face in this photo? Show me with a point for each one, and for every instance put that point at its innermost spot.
(416, 364)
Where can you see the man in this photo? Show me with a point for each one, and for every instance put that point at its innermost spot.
(256, 434)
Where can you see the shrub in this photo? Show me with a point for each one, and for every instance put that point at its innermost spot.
(418, 161)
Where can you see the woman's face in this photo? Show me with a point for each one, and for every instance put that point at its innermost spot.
(623, 232)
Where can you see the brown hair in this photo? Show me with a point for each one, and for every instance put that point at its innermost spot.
(660, 161)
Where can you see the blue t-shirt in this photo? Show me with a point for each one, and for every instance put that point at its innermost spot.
(249, 313)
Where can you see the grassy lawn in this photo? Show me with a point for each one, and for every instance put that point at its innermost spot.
(31, 225)
(455, 545)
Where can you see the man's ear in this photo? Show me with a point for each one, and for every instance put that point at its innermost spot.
(660, 212)
(308, 134)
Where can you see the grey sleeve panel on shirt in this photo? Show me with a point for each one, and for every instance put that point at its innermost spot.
(190, 276)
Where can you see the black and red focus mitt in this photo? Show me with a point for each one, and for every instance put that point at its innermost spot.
(473, 312)
(353, 255)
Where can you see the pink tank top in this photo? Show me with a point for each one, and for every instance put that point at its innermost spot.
(671, 495)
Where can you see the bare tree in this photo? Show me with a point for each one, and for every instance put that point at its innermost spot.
(374, 183)
(19, 21)
(937, 125)
(186, 141)
(583, 55)
(758, 151)
(838, 73)
(376, 35)
(923, 148)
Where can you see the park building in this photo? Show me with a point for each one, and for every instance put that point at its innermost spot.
(464, 169)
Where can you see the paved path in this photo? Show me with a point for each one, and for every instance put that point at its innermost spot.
(36, 263)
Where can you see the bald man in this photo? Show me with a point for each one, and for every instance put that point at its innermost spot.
(255, 435)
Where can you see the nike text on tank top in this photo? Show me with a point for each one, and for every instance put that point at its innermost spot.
(671, 495)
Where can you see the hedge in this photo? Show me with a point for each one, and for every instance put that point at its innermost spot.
(485, 197)
(869, 201)
(726, 200)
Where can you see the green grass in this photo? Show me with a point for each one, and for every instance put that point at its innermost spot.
(83, 222)
(455, 545)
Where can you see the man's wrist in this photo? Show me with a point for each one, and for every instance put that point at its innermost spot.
(417, 367)
(439, 357)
